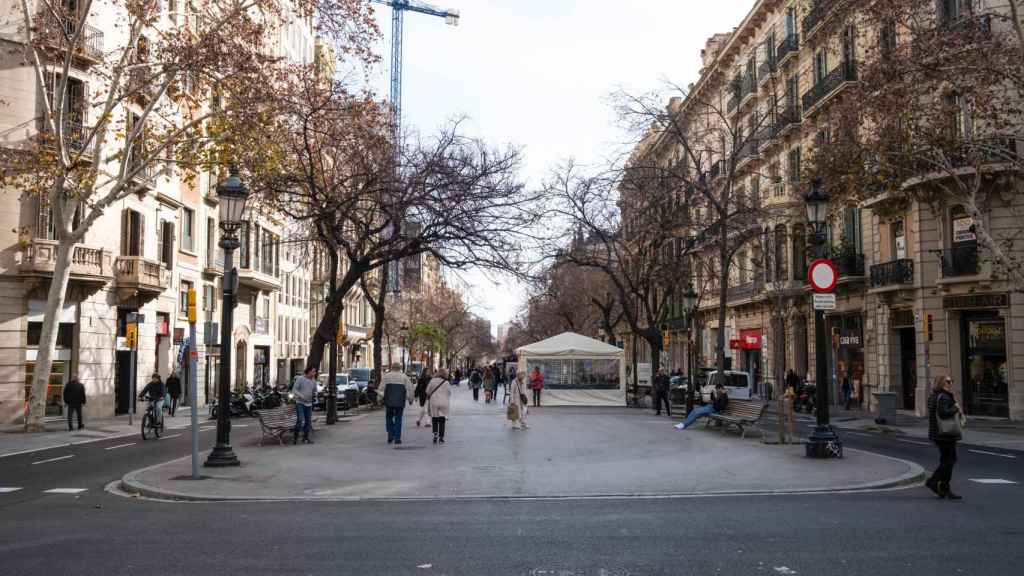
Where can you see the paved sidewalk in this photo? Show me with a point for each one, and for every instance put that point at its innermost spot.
(14, 440)
(567, 452)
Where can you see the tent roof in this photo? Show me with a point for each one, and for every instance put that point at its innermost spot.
(568, 344)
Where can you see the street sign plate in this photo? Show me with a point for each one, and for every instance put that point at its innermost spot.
(822, 275)
(824, 301)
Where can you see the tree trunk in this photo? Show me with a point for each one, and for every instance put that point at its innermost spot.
(327, 329)
(48, 339)
(378, 307)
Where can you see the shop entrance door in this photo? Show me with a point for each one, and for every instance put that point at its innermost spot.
(261, 366)
(984, 361)
(908, 367)
(122, 382)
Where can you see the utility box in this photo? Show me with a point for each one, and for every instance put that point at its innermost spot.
(886, 402)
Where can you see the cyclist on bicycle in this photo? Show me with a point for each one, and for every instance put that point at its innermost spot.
(154, 393)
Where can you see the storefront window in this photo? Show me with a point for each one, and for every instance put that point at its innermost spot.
(985, 387)
(55, 389)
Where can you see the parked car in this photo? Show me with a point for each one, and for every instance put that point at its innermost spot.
(342, 383)
(738, 384)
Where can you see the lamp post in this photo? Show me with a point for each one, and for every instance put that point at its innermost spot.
(823, 439)
(405, 333)
(690, 308)
(233, 195)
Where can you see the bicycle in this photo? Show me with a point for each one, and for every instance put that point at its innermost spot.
(152, 421)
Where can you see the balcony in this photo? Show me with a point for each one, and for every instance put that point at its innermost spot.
(138, 277)
(850, 264)
(765, 71)
(73, 133)
(830, 84)
(818, 14)
(748, 88)
(88, 264)
(744, 291)
(959, 261)
(788, 48)
(214, 263)
(719, 169)
(750, 150)
(892, 273)
(970, 153)
(786, 120)
(56, 32)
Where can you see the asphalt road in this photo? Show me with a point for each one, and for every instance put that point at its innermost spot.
(896, 532)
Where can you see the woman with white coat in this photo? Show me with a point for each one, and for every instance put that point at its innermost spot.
(439, 398)
(517, 399)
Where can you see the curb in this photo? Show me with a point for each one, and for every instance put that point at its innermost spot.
(130, 486)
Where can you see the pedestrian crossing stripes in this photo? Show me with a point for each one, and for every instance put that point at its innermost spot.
(8, 489)
(992, 481)
(65, 491)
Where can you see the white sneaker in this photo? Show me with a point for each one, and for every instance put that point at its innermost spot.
(680, 426)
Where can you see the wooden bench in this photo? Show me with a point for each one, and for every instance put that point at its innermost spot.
(276, 422)
(739, 413)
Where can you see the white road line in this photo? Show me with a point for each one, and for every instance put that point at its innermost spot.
(65, 491)
(8, 490)
(240, 425)
(120, 446)
(992, 481)
(993, 453)
(171, 436)
(207, 429)
(54, 459)
(913, 442)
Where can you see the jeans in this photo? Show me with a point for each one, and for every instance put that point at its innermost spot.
(536, 396)
(476, 394)
(947, 458)
(659, 398)
(173, 405)
(697, 413)
(437, 424)
(393, 422)
(75, 409)
(303, 419)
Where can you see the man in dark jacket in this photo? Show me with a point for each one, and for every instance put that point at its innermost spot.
(174, 389)
(398, 391)
(74, 399)
(661, 392)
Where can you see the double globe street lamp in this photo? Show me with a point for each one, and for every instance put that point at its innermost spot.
(233, 196)
(823, 441)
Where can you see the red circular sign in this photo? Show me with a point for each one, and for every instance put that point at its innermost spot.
(822, 275)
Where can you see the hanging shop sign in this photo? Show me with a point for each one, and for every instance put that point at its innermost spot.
(750, 339)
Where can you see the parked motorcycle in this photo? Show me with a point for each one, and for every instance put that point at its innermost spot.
(266, 398)
(239, 405)
(806, 399)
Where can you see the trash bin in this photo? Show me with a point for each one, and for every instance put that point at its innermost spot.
(886, 402)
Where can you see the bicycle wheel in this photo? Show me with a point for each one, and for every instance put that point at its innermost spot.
(146, 425)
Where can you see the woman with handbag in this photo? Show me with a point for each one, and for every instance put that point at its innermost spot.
(516, 411)
(945, 423)
(439, 398)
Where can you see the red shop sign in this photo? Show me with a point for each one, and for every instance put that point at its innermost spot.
(750, 339)
(735, 344)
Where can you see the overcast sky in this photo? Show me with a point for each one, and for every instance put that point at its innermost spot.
(537, 73)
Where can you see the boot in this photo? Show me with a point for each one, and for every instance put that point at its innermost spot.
(947, 492)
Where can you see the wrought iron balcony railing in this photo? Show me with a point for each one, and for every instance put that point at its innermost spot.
(789, 46)
(959, 261)
(819, 11)
(841, 74)
(895, 272)
(57, 30)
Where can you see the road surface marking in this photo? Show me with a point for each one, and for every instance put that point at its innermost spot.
(65, 491)
(993, 453)
(5, 490)
(171, 436)
(859, 434)
(54, 459)
(992, 481)
(207, 429)
(913, 442)
(241, 425)
(120, 446)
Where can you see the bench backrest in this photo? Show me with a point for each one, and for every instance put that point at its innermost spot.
(279, 414)
(745, 408)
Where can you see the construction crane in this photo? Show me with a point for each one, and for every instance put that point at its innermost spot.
(398, 9)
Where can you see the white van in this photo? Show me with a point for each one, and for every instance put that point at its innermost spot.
(737, 384)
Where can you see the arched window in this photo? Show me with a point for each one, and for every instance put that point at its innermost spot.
(799, 252)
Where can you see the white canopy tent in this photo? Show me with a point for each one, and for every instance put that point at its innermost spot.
(578, 371)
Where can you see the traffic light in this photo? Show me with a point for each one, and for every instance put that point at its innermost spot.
(131, 336)
(191, 306)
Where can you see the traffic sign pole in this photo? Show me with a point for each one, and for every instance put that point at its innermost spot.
(192, 381)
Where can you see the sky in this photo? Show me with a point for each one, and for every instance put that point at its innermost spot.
(537, 74)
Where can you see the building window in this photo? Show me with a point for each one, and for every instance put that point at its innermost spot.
(183, 291)
(209, 298)
(188, 230)
(887, 38)
(244, 246)
(820, 66)
(132, 233)
(794, 165)
(166, 244)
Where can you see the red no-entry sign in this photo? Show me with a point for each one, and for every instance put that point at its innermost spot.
(822, 275)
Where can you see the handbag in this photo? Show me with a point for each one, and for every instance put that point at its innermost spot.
(522, 399)
(512, 412)
(950, 427)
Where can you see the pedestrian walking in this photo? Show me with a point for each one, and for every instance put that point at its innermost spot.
(944, 429)
(517, 409)
(475, 381)
(456, 377)
(847, 390)
(305, 392)
(661, 393)
(398, 391)
(489, 384)
(421, 394)
(439, 398)
(536, 384)
(174, 391)
(74, 399)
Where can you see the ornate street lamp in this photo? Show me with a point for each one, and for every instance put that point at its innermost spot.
(690, 309)
(823, 441)
(233, 196)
